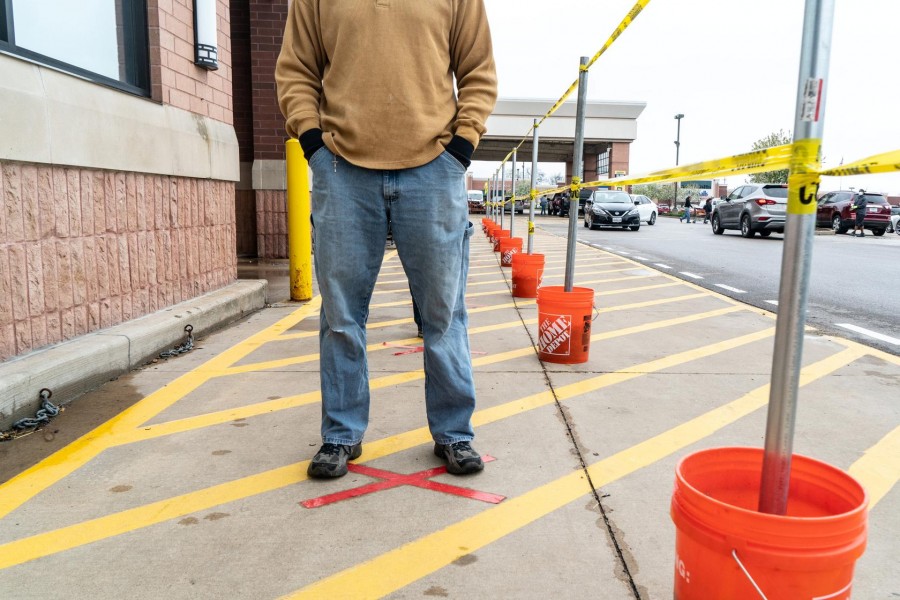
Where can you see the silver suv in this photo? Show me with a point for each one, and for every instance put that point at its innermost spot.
(752, 208)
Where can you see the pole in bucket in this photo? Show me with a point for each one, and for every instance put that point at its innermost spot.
(577, 172)
(565, 313)
(799, 232)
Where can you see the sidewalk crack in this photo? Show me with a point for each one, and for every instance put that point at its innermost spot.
(610, 530)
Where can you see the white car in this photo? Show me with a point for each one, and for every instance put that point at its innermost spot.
(895, 217)
(646, 207)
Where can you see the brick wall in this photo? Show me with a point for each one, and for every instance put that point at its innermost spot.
(175, 79)
(267, 19)
(84, 249)
(242, 75)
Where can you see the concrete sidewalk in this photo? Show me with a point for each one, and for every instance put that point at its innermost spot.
(197, 489)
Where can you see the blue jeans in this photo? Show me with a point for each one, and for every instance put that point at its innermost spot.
(427, 210)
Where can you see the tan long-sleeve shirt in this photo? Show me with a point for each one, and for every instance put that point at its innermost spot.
(377, 76)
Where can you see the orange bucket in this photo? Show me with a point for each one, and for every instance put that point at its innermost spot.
(527, 272)
(564, 324)
(722, 541)
(509, 247)
(498, 234)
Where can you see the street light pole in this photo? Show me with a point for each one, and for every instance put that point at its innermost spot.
(678, 118)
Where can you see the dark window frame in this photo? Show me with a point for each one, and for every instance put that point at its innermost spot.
(137, 50)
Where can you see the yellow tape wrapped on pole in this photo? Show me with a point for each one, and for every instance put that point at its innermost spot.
(298, 223)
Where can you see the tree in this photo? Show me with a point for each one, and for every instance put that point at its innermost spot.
(778, 138)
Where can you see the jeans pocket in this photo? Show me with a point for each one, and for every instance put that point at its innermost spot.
(317, 155)
(454, 161)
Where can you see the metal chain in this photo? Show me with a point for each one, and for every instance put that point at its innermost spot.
(47, 411)
(184, 347)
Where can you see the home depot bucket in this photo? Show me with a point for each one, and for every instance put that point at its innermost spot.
(564, 324)
(509, 247)
(725, 548)
(498, 235)
(527, 272)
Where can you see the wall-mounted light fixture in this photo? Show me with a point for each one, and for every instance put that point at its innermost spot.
(206, 38)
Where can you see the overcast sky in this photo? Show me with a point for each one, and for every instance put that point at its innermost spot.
(730, 67)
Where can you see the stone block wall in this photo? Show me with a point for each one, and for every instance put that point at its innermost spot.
(271, 224)
(83, 249)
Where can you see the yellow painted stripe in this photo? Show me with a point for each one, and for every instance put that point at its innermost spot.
(494, 269)
(51, 542)
(393, 322)
(32, 481)
(879, 468)
(295, 360)
(413, 561)
(269, 406)
(470, 284)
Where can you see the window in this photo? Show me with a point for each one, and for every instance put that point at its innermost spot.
(603, 164)
(102, 40)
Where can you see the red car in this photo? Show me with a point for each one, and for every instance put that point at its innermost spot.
(834, 210)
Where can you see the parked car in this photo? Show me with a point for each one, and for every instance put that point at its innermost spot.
(753, 208)
(646, 207)
(895, 217)
(664, 209)
(834, 210)
(560, 202)
(476, 201)
(611, 208)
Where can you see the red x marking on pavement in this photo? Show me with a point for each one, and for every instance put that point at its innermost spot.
(389, 480)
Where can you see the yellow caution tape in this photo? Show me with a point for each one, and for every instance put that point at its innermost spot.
(530, 227)
(759, 161)
(802, 158)
(887, 162)
(631, 16)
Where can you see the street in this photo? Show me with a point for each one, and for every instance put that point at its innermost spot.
(853, 287)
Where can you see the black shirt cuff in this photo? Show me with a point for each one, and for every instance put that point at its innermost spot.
(310, 141)
(461, 149)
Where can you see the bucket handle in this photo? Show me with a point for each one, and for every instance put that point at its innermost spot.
(747, 573)
(596, 312)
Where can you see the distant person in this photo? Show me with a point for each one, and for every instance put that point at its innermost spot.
(688, 211)
(860, 205)
(707, 210)
(543, 205)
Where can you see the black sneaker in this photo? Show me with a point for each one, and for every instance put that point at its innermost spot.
(331, 460)
(461, 458)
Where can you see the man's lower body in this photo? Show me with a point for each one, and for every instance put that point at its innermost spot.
(859, 230)
(427, 210)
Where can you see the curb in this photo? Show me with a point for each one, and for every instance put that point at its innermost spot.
(74, 367)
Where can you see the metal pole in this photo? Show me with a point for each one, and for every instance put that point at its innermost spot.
(512, 205)
(534, 162)
(796, 259)
(493, 197)
(577, 172)
(502, 192)
(298, 223)
(678, 118)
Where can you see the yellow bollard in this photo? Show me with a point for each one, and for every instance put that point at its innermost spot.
(298, 222)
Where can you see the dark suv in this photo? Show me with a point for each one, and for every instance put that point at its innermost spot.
(833, 211)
